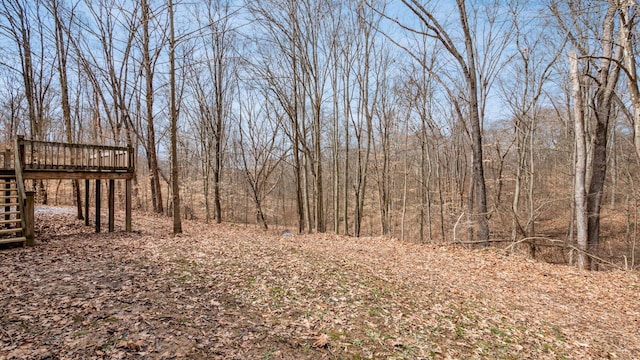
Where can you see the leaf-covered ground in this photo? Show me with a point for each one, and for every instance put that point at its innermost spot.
(231, 292)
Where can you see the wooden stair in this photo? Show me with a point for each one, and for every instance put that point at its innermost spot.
(11, 230)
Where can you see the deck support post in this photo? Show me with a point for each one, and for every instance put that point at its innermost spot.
(112, 203)
(29, 218)
(98, 189)
(86, 202)
(127, 206)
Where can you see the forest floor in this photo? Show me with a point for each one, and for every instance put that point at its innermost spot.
(234, 292)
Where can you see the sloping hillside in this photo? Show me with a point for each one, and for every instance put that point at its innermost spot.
(226, 291)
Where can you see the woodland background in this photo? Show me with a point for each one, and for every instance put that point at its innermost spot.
(481, 122)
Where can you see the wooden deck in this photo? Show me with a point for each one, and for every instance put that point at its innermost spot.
(42, 160)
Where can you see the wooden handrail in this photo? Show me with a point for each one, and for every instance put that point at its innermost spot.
(20, 180)
(44, 155)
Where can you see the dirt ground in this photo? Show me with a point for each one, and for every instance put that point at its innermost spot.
(234, 292)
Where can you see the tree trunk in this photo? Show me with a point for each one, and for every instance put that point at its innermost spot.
(580, 164)
(152, 157)
(481, 213)
(298, 173)
(336, 146)
(173, 115)
(608, 79)
(347, 118)
(423, 180)
(219, 48)
(319, 213)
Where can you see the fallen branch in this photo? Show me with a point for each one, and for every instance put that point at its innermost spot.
(565, 245)
(559, 243)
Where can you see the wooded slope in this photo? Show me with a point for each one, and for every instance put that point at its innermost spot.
(225, 291)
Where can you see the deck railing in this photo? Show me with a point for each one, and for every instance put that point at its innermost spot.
(56, 156)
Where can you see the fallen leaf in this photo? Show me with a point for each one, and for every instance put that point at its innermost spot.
(321, 341)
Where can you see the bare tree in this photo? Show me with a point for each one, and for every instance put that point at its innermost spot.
(605, 74)
(62, 52)
(12, 107)
(18, 28)
(603, 70)
(260, 149)
(422, 95)
(279, 66)
(214, 89)
(149, 56)
(335, 133)
(25, 27)
(523, 90)
(386, 115)
(466, 60)
(173, 116)
(365, 71)
(109, 75)
(607, 81)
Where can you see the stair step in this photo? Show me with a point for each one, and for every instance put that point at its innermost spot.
(10, 221)
(9, 212)
(21, 239)
(10, 231)
(9, 204)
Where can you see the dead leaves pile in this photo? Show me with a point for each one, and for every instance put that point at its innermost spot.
(225, 291)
